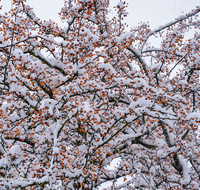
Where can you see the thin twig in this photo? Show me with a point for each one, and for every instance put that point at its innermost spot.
(175, 65)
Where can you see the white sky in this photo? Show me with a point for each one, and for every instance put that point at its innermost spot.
(157, 12)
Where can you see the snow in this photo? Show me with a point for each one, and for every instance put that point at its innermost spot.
(15, 88)
(183, 83)
(123, 37)
(162, 153)
(90, 35)
(168, 113)
(140, 182)
(4, 162)
(186, 170)
(139, 82)
(120, 4)
(55, 150)
(15, 149)
(140, 102)
(86, 106)
(108, 67)
(194, 115)
(48, 103)
(171, 136)
(194, 185)
(1, 39)
(155, 66)
(18, 181)
(131, 118)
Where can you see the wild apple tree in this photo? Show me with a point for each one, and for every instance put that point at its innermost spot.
(75, 98)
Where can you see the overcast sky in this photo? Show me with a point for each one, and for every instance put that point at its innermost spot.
(157, 12)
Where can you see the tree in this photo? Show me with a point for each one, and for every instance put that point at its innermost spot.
(75, 98)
